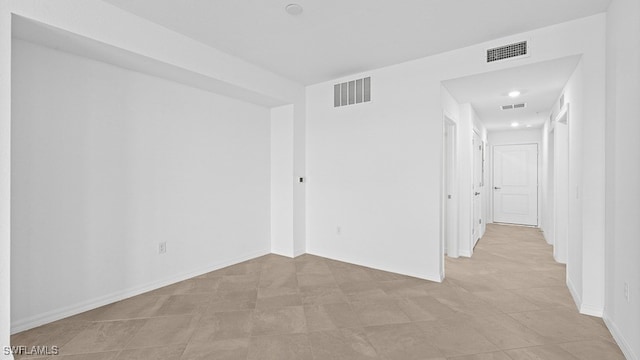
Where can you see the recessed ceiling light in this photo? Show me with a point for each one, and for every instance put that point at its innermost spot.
(528, 125)
(294, 9)
(514, 94)
(515, 124)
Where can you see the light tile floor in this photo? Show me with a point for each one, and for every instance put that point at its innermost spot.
(508, 302)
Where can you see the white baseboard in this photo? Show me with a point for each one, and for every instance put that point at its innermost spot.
(465, 253)
(574, 294)
(623, 344)
(57, 314)
(591, 310)
(544, 235)
(583, 308)
(437, 277)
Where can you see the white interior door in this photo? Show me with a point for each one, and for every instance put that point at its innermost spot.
(515, 184)
(477, 188)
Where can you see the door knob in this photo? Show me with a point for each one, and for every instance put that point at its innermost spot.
(497, 188)
(477, 194)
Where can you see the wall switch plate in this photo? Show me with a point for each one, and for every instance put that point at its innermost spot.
(162, 247)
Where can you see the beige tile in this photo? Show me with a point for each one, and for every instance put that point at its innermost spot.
(510, 295)
(223, 325)
(379, 312)
(54, 334)
(163, 331)
(425, 308)
(561, 324)
(456, 337)
(467, 303)
(316, 280)
(242, 268)
(545, 352)
(330, 317)
(593, 349)
(486, 356)
(312, 267)
(286, 320)
(402, 342)
(110, 355)
(203, 285)
(184, 304)
(154, 353)
(285, 280)
(142, 306)
(507, 301)
(234, 349)
(280, 347)
(507, 333)
(351, 274)
(316, 295)
(230, 301)
(239, 282)
(351, 344)
(547, 297)
(380, 275)
(279, 301)
(102, 336)
(406, 287)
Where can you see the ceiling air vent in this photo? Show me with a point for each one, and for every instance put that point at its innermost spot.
(510, 51)
(352, 92)
(513, 106)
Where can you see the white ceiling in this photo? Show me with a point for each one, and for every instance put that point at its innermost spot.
(334, 38)
(540, 85)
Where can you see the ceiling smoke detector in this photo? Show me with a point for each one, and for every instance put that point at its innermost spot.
(293, 9)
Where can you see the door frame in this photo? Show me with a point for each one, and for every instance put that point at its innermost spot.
(449, 186)
(480, 189)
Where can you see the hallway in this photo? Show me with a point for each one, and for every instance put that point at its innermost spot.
(508, 302)
(513, 272)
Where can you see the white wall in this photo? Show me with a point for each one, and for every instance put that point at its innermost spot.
(95, 20)
(107, 163)
(282, 180)
(568, 169)
(623, 175)
(510, 137)
(556, 208)
(375, 168)
(5, 176)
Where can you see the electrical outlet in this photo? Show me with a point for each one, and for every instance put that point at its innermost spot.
(162, 247)
(338, 230)
(626, 291)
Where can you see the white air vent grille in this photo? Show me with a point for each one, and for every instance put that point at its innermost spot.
(513, 106)
(352, 92)
(507, 51)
